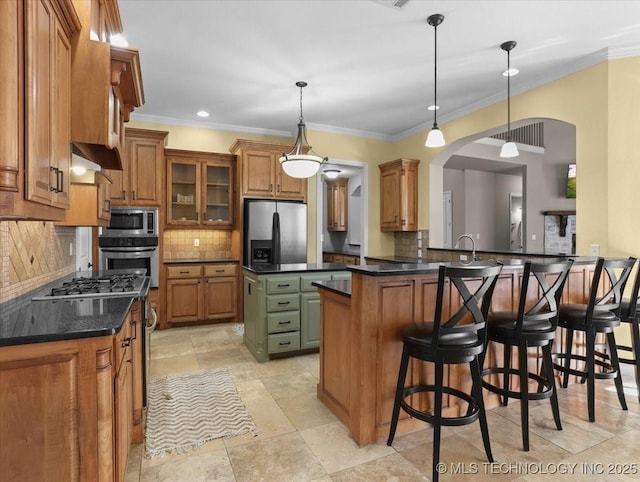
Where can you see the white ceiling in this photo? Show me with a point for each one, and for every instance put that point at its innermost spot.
(369, 65)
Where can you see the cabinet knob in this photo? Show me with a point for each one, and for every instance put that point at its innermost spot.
(270, 187)
(124, 195)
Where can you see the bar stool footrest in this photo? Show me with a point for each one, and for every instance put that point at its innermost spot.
(545, 389)
(471, 416)
(608, 374)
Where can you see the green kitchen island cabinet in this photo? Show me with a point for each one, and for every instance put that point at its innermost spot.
(282, 307)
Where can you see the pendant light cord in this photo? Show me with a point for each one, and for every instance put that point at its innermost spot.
(435, 76)
(509, 95)
(301, 117)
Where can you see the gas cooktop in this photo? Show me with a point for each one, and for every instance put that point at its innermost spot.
(99, 286)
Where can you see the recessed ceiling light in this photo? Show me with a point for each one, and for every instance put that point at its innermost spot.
(118, 40)
(433, 107)
(202, 113)
(511, 72)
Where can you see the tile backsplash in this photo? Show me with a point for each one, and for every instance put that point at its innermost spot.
(34, 253)
(213, 244)
(411, 244)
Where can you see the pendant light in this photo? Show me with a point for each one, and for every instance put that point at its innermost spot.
(509, 148)
(301, 162)
(435, 137)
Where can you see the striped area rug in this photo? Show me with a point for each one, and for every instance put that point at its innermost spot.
(186, 411)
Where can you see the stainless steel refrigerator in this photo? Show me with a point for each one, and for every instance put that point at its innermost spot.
(275, 232)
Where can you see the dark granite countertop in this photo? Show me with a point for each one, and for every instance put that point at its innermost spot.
(199, 260)
(294, 268)
(342, 287)
(396, 268)
(44, 321)
(345, 251)
(24, 321)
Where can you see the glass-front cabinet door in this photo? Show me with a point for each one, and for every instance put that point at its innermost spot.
(199, 189)
(217, 190)
(183, 183)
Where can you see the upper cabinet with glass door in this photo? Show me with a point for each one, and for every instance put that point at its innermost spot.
(200, 189)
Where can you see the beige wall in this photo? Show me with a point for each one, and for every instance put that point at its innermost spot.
(602, 101)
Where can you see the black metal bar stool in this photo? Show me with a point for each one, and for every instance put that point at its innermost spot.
(599, 315)
(533, 325)
(630, 314)
(464, 292)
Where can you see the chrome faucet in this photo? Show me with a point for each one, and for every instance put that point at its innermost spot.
(473, 245)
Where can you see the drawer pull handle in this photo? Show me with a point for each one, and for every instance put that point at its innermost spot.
(126, 343)
(285, 343)
(283, 285)
(184, 272)
(219, 271)
(288, 322)
(284, 302)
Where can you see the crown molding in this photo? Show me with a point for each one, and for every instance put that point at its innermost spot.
(209, 125)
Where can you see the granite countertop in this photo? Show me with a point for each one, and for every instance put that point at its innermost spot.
(294, 268)
(341, 287)
(198, 260)
(396, 268)
(44, 321)
(24, 321)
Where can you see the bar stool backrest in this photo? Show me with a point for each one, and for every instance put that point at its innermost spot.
(474, 284)
(633, 301)
(614, 286)
(545, 308)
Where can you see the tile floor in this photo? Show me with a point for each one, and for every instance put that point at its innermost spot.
(301, 440)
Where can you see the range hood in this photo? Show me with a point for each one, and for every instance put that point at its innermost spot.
(84, 171)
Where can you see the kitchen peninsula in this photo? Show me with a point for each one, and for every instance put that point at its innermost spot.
(282, 307)
(360, 343)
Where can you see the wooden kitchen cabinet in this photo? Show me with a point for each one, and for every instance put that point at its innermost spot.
(399, 195)
(337, 205)
(261, 175)
(200, 189)
(68, 407)
(282, 312)
(35, 107)
(90, 205)
(140, 181)
(198, 292)
(106, 84)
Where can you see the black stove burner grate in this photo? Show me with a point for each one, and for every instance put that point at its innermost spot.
(121, 283)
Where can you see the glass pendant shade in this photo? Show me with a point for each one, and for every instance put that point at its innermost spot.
(301, 161)
(435, 138)
(331, 173)
(509, 149)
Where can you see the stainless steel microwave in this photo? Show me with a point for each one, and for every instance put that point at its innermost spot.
(132, 222)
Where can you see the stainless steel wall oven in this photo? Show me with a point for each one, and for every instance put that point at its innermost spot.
(131, 242)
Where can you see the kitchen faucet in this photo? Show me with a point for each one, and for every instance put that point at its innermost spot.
(473, 245)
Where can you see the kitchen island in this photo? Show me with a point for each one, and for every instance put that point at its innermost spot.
(360, 342)
(282, 307)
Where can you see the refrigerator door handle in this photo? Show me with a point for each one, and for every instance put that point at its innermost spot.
(275, 239)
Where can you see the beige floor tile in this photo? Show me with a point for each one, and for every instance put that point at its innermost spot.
(277, 367)
(171, 336)
(290, 384)
(337, 451)
(270, 421)
(306, 411)
(393, 467)
(282, 458)
(170, 366)
(220, 358)
(171, 350)
(197, 468)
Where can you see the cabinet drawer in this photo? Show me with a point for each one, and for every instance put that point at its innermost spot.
(307, 279)
(283, 303)
(220, 270)
(184, 271)
(283, 285)
(285, 321)
(283, 342)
